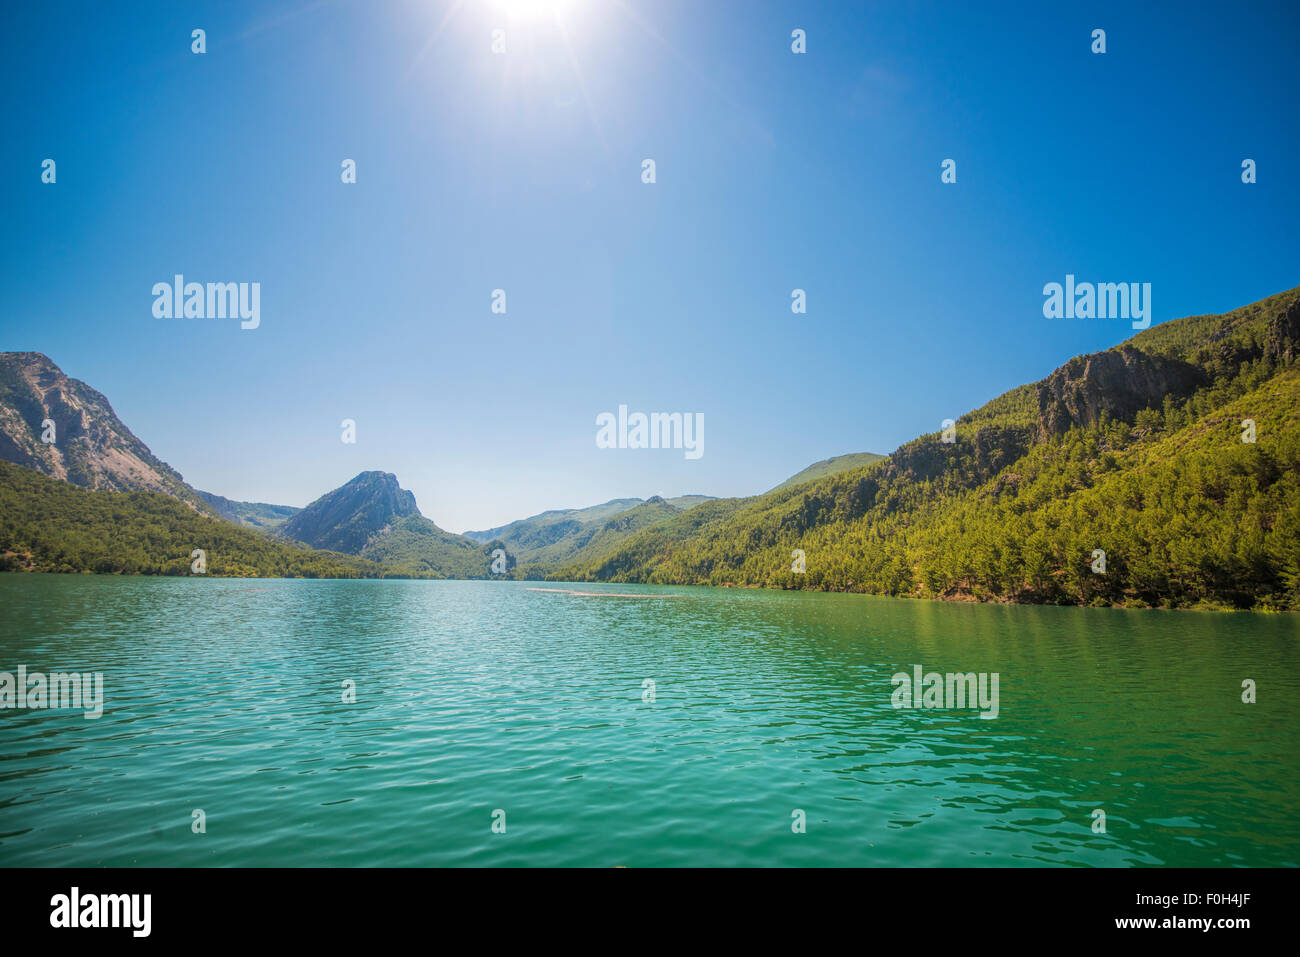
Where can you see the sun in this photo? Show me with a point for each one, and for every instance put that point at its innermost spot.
(533, 9)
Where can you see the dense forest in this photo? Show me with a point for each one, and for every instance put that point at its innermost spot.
(414, 547)
(1137, 453)
(51, 526)
(1164, 472)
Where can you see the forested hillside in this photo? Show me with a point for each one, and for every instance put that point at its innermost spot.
(51, 526)
(1137, 452)
(596, 539)
(564, 535)
(831, 466)
(1162, 472)
(373, 517)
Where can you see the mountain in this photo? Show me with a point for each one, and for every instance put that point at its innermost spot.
(567, 534)
(559, 534)
(348, 517)
(252, 514)
(596, 539)
(90, 448)
(1136, 452)
(416, 547)
(51, 526)
(372, 516)
(1162, 472)
(831, 466)
(684, 502)
(547, 527)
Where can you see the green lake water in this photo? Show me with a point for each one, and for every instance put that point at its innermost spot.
(476, 697)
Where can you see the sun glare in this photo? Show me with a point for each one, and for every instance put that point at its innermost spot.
(533, 9)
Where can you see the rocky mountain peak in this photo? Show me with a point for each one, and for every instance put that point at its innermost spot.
(347, 518)
(63, 428)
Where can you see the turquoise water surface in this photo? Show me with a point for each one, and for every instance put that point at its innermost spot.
(227, 695)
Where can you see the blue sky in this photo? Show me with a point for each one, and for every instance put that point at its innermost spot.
(522, 171)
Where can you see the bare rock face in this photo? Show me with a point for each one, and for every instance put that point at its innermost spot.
(350, 517)
(91, 447)
(1119, 382)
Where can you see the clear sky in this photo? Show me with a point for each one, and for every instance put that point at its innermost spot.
(522, 171)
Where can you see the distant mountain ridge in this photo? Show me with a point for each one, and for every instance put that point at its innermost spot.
(594, 539)
(371, 516)
(251, 514)
(560, 534)
(1176, 454)
(553, 517)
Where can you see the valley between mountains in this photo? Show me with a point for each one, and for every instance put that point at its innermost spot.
(1175, 453)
